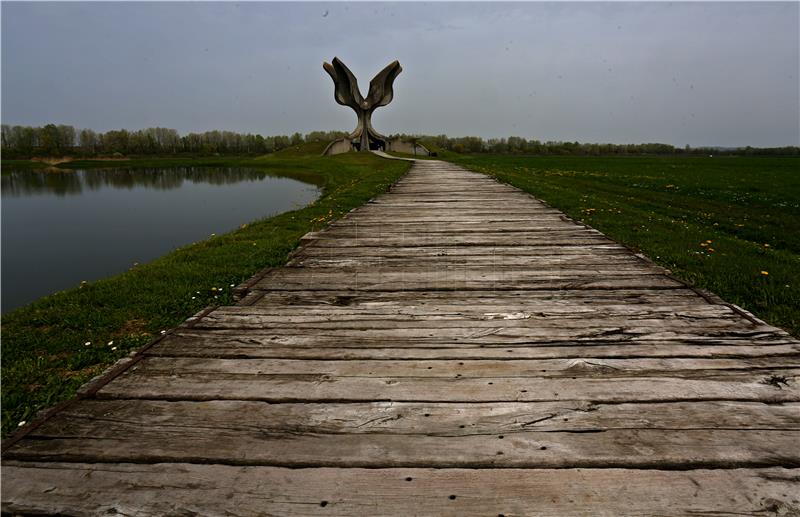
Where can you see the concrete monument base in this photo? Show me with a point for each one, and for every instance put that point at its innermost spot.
(346, 145)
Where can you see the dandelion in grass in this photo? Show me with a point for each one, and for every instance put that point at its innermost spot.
(765, 273)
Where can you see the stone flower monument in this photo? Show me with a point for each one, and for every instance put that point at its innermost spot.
(346, 93)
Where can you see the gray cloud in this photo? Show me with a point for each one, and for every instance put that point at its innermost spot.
(696, 73)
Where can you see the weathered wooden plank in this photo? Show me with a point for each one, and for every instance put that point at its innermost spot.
(475, 271)
(438, 229)
(495, 239)
(567, 434)
(82, 489)
(444, 216)
(101, 417)
(435, 281)
(503, 326)
(500, 262)
(539, 253)
(235, 346)
(462, 213)
(493, 200)
(474, 369)
(466, 314)
(470, 310)
(610, 338)
(387, 227)
(504, 298)
(506, 336)
(221, 379)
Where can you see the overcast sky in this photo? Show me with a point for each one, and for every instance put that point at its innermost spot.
(679, 73)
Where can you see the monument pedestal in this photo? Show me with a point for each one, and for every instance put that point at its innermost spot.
(346, 145)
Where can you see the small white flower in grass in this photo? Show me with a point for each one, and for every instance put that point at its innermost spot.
(113, 348)
(21, 423)
(194, 297)
(233, 285)
(163, 331)
(87, 343)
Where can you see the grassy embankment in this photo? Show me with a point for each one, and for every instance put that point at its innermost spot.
(730, 225)
(45, 352)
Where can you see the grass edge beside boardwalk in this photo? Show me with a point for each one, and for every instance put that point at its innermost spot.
(56, 344)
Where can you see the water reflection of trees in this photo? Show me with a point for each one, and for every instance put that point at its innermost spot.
(67, 182)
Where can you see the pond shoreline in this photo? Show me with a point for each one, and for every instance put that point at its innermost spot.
(60, 229)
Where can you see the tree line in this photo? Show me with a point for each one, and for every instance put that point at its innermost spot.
(520, 145)
(65, 140)
(62, 140)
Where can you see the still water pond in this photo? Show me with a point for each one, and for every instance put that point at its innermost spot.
(59, 228)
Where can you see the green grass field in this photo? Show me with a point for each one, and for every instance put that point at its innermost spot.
(730, 225)
(45, 352)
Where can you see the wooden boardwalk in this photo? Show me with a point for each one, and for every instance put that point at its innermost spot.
(454, 347)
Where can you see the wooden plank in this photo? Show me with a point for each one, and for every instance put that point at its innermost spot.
(488, 271)
(541, 253)
(222, 346)
(445, 216)
(509, 338)
(78, 489)
(433, 280)
(470, 310)
(437, 229)
(500, 262)
(567, 434)
(494, 239)
(100, 417)
(466, 314)
(489, 298)
(474, 369)
(222, 379)
(504, 326)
